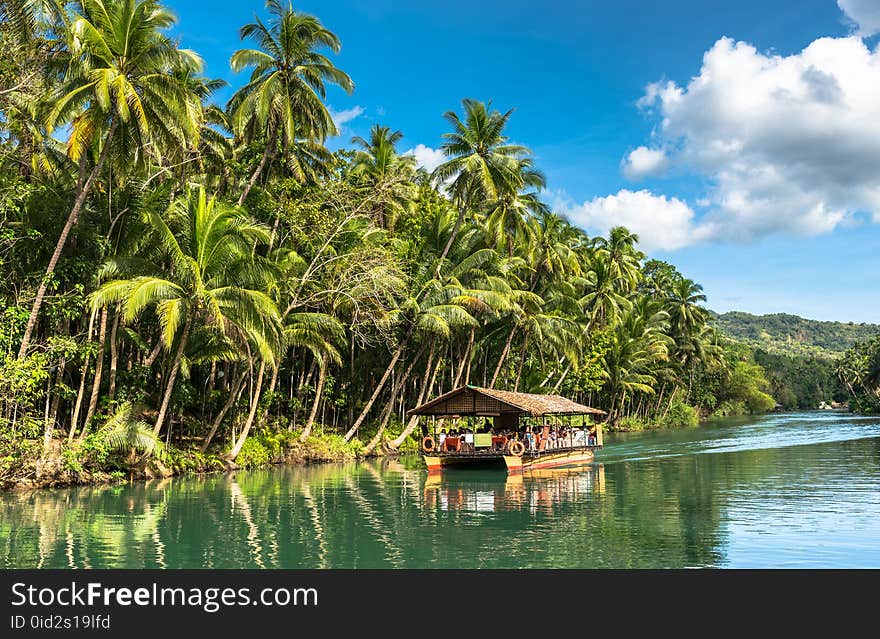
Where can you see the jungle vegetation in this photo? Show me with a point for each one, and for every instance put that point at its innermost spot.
(212, 278)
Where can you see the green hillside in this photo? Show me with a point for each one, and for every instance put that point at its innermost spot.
(790, 334)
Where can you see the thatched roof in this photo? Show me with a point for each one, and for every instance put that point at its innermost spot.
(473, 400)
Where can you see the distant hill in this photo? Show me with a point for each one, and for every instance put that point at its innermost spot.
(790, 334)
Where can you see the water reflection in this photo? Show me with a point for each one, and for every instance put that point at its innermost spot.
(655, 500)
(491, 491)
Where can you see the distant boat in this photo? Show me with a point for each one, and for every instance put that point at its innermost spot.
(557, 441)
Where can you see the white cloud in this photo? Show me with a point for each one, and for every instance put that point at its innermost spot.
(426, 157)
(864, 13)
(341, 118)
(660, 222)
(644, 162)
(787, 143)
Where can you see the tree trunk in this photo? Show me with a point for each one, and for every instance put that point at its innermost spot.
(268, 152)
(465, 362)
(53, 411)
(561, 379)
(389, 408)
(255, 402)
(414, 420)
(322, 377)
(154, 354)
(272, 385)
(503, 357)
(233, 396)
(114, 355)
(379, 387)
(522, 361)
(172, 376)
(62, 239)
(74, 418)
(99, 370)
(452, 237)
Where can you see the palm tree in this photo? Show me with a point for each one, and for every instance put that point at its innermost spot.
(318, 333)
(124, 432)
(435, 308)
(603, 300)
(637, 346)
(212, 280)
(386, 176)
(623, 258)
(508, 214)
(117, 95)
(284, 99)
(481, 164)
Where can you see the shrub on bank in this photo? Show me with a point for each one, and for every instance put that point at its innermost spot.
(680, 414)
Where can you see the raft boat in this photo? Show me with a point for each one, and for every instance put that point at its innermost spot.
(556, 439)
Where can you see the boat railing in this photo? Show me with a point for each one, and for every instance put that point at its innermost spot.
(500, 445)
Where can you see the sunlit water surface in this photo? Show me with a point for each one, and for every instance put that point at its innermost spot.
(785, 490)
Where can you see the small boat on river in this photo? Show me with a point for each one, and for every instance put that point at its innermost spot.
(473, 426)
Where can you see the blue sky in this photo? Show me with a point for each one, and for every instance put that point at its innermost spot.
(741, 174)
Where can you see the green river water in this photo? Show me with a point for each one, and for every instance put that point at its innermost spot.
(782, 490)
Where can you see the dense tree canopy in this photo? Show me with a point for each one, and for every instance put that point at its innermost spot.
(213, 271)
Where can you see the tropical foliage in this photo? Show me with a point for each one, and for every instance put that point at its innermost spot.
(216, 273)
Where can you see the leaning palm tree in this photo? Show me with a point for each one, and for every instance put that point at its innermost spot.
(117, 97)
(284, 99)
(212, 279)
(481, 165)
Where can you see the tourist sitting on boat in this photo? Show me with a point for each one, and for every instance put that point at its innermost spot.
(591, 437)
(442, 437)
(468, 439)
(530, 438)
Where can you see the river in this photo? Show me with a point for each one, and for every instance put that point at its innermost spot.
(784, 490)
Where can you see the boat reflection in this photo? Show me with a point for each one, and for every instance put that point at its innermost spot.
(538, 490)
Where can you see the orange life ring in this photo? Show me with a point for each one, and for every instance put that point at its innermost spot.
(428, 444)
(517, 449)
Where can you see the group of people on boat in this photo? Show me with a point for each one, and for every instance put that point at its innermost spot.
(547, 437)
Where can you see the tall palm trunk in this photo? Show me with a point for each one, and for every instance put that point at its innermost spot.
(503, 357)
(99, 370)
(322, 377)
(522, 361)
(62, 239)
(561, 379)
(49, 426)
(455, 230)
(114, 355)
(379, 387)
(414, 420)
(172, 376)
(268, 153)
(465, 362)
(272, 384)
(74, 418)
(233, 396)
(255, 402)
(389, 408)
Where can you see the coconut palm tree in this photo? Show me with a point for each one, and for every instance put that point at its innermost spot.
(118, 98)
(385, 175)
(284, 99)
(603, 301)
(482, 165)
(508, 214)
(212, 280)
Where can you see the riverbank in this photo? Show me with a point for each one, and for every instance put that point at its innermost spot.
(24, 464)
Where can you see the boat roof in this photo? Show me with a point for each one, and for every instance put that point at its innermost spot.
(474, 400)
